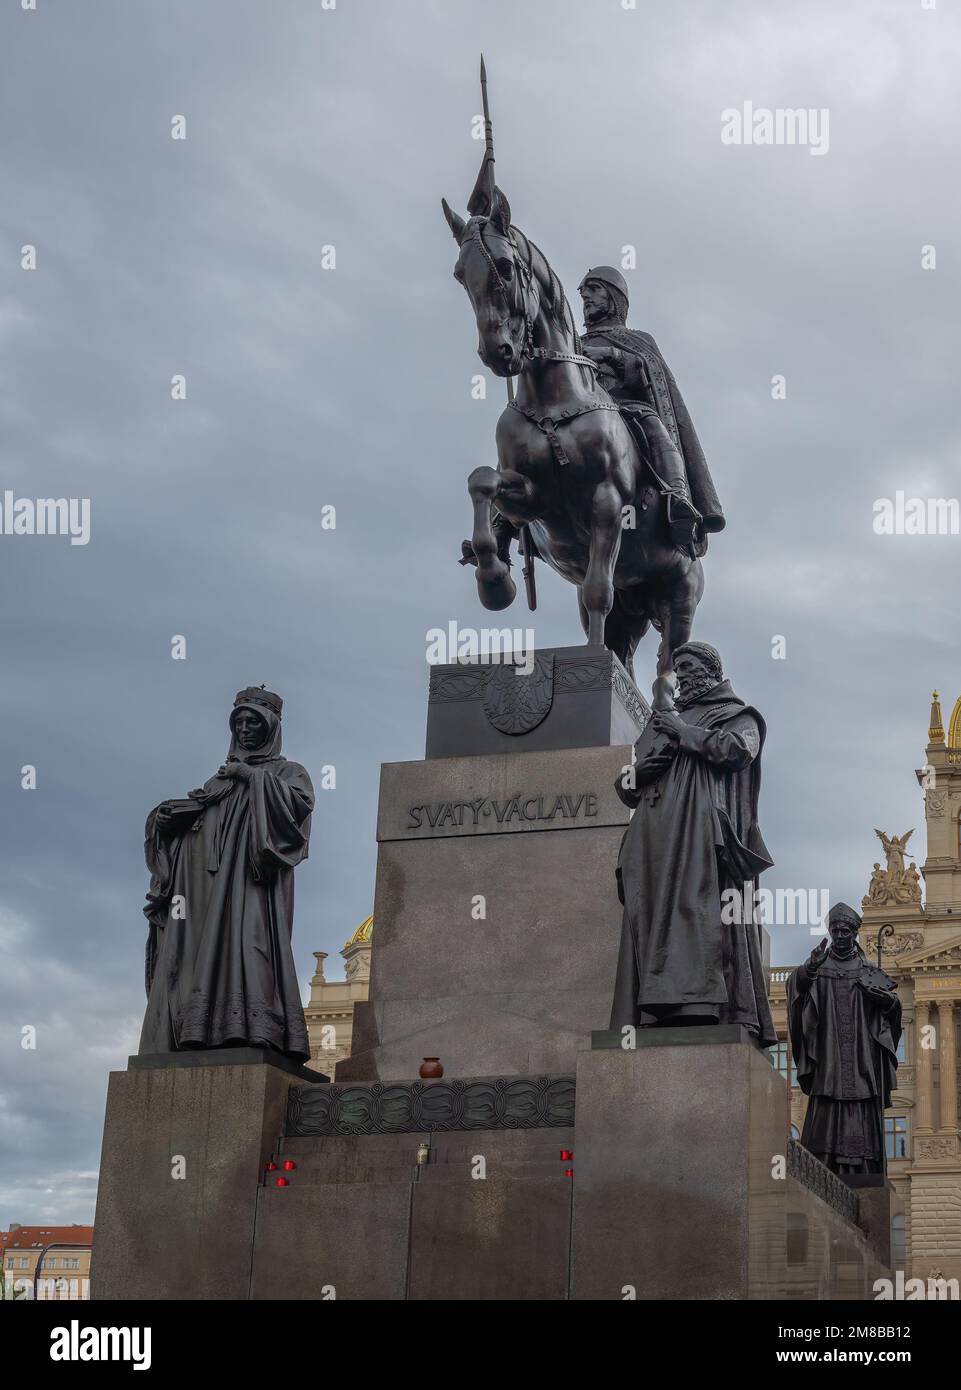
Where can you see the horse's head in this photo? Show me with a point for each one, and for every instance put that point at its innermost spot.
(500, 283)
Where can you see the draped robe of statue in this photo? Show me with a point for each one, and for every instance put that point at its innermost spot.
(844, 1045)
(694, 834)
(224, 975)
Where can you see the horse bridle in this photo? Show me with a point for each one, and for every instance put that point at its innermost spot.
(525, 273)
(529, 353)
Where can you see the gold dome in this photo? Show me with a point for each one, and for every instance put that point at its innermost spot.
(362, 934)
(954, 728)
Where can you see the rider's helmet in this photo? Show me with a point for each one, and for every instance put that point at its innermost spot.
(608, 275)
(615, 283)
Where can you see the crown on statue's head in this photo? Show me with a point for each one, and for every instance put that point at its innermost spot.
(260, 695)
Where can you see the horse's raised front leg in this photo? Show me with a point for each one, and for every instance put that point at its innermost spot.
(495, 587)
(597, 591)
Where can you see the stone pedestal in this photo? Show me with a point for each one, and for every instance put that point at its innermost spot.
(657, 1173)
(497, 914)
(184, 1148)
(362, 1219)
(676, 1190)
(496, 908)
(540, 1167)
(564, 697)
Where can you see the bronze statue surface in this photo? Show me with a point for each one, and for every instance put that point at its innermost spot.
(691, 854)
(220, 968)
(844, 1017)
(595, 486)
(633, 371)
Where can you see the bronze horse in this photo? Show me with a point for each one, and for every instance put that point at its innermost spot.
(569, 467)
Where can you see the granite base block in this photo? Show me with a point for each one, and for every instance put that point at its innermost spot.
(675, 1194)
(532, 838)
(224, 1057)
(664, 1186)
(578, 697)
(184, 1148)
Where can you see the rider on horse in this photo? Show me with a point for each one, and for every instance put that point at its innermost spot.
(635, 375)
(613, 494)
(633, 372)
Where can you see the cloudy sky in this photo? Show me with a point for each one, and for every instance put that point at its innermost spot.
(310, 127)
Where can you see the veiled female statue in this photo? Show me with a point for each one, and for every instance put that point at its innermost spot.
(220, 968)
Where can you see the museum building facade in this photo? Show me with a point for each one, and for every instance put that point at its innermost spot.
(920, 936)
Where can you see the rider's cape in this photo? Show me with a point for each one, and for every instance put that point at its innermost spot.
(673, 412)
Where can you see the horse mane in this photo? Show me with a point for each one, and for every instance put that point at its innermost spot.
(557, 299)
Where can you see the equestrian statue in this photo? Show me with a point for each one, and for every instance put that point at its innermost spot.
(599, 472)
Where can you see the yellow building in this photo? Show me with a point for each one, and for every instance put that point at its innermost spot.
(65, 1266)
(921, 949)
(330, 1010)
